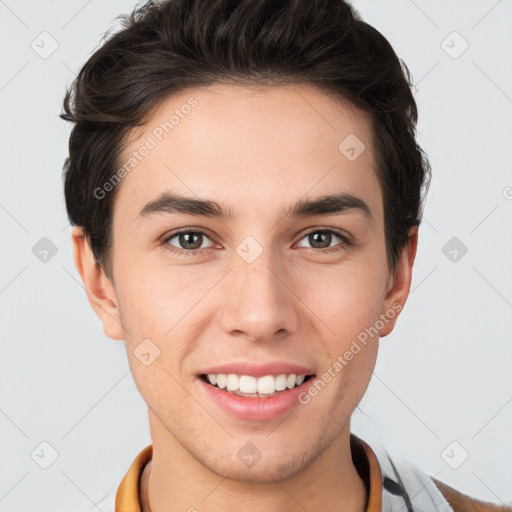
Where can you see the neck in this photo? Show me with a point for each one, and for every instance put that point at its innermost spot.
(174, 480)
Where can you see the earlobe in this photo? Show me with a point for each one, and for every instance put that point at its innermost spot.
(100, 291)
(399, 283)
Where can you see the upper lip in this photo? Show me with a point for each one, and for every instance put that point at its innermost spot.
(257, 369)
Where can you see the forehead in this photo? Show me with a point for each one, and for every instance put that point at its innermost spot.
(249, 145)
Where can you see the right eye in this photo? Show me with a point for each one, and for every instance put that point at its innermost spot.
(190, 242)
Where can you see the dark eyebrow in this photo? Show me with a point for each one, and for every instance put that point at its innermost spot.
(323, 205)
(175, 203)
(328, 205)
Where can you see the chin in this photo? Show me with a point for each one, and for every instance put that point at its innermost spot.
(259, 473)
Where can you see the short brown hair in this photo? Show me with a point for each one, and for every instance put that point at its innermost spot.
(167, 46)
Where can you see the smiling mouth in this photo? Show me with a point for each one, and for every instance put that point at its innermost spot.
(237, 392)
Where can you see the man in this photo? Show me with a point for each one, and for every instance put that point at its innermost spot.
(246, 191)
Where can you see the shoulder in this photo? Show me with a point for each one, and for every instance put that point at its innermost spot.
(407, 487)
(463, 503)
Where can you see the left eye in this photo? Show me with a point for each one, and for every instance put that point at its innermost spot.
(316, 237)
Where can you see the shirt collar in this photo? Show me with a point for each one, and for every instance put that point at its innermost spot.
(364, 458)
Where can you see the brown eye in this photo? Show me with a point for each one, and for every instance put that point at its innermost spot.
(321, 240)
(190, 240)
(187, 242)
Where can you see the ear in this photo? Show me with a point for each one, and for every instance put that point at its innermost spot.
(399, 284)
(100, 290)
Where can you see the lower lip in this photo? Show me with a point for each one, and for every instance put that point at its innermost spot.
(254, 408)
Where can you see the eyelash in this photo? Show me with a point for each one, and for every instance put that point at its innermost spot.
(347, 242)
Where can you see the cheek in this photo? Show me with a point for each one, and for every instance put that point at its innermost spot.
(162, 305)
(155, 299)
(346, 299)
(156, 312)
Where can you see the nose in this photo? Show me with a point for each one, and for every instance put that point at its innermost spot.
(260, 301)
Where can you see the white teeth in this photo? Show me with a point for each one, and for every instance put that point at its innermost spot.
(233, 382)
(291, 380)
(281, 382)
(221, 380)
(266, 385)
(249, 384)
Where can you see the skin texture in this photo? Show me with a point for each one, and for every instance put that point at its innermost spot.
(257, 151)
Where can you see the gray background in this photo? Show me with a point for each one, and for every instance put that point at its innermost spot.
(442, 385)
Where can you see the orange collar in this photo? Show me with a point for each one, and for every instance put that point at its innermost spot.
(365, 461)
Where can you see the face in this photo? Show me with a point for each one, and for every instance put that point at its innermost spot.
(193, 291)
